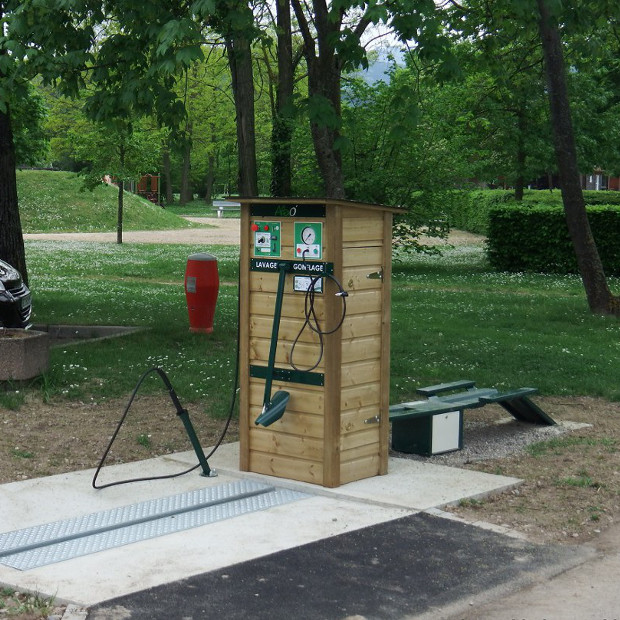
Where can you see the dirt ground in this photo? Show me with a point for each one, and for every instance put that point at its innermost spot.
(44, 439)
(571, 483)
(570, 493)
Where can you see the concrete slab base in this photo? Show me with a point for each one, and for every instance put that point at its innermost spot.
(410, 487)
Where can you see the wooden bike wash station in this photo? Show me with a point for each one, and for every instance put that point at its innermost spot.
(315, 338)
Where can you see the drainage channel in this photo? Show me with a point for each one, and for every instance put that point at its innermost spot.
(63, 540)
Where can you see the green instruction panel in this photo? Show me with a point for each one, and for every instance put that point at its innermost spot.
(309, 240)
(267, 238)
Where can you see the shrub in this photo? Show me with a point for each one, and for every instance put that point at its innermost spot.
(469, 210)
(535, 238)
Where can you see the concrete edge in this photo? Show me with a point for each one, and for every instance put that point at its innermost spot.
(75, 612)
(516, 482)
(62, 335)
(484, 525)
(333, 493)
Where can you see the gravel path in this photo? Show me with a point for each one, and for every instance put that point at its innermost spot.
(224, 231)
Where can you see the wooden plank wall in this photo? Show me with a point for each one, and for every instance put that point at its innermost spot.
(365, 353)
(323, 436)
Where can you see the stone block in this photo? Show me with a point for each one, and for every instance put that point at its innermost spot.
(24, 354)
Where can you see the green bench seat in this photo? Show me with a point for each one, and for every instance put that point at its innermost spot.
(440, 388)
(435, 425)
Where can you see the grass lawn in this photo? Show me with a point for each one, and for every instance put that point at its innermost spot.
(56, 202)
(452, 318)
(142, 285)
(195, 208)
(456, 318)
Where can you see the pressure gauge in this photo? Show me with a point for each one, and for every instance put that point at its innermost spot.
(308, 235)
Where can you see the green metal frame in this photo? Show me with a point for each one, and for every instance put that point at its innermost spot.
(303, 377)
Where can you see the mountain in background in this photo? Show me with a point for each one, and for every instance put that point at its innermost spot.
(380, 63)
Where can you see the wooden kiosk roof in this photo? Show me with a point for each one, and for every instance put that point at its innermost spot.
(322, 201)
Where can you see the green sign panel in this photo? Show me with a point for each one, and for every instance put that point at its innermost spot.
(309, 240)
(294, 267)
(267, 238)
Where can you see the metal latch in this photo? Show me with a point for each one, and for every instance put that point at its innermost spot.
(373, 420)
(376, 275)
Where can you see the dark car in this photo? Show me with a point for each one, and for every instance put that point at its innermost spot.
(15, 299)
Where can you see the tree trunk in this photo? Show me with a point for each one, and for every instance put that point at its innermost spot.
(324, 76)
(600, 299)
(210, 178)
(240, 62)
(119, 213)
(168, 177)
(521, 155)
(325, 82)
(186, 183)
(11, 238)
(282, 131)
(121, 196)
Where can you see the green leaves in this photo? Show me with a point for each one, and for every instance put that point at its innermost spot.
(182, 38)
(321, 112)
(203, 8)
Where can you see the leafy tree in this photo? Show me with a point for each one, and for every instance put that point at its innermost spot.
(593, 84)
(332, 39)
(505, 93)
(11, 239)
(501, 108)
(211, 107)
(600, 298)
(122, 153)
(396, 155)
(234, 21)
(555, 24)
(31, 144)
(66, 123)
(131, 70)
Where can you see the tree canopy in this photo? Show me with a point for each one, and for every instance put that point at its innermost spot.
(270, 97)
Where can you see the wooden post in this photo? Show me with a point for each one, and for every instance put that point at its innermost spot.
(244, 354)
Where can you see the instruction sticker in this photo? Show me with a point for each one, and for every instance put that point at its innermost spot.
(302, 284)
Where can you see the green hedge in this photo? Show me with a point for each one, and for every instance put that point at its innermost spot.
(593, 197)
(469, 210)
(535, 238)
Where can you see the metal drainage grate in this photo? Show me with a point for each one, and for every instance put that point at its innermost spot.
(62, 540)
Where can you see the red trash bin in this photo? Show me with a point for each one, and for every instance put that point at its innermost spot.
(202, 284)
